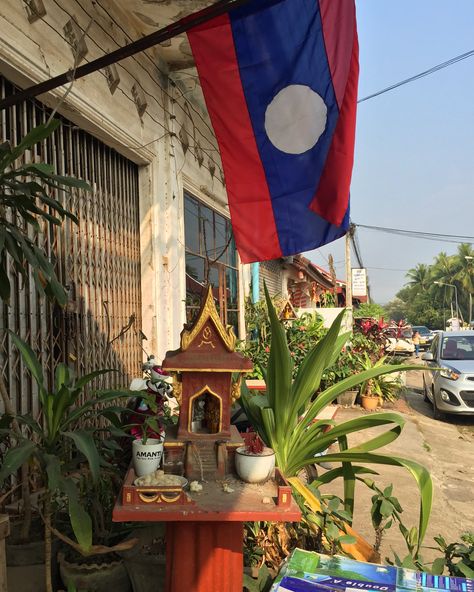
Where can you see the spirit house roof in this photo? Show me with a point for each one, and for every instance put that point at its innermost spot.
(206, 345)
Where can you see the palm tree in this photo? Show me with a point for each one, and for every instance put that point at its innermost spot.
(419, 277)
(444, 271)
(464, 276)
(444, 268)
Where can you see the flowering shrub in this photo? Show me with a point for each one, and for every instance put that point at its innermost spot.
(369, 337)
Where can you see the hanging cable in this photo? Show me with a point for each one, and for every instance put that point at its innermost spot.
(432, 70)
(450, 238)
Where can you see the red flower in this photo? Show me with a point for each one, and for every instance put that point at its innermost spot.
(267, 349)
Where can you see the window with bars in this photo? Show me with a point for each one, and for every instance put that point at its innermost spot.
(211, 256)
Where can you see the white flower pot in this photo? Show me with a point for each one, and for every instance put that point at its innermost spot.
(254, 468)
(146, 457)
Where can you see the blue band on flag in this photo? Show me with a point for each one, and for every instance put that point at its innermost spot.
(280, 44)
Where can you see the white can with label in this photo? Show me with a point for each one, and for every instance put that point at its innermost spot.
(146, 457)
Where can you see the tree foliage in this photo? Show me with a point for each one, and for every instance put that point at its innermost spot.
(424, 302)
(370, 309)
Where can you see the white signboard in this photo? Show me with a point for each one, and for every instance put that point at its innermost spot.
(359, 282)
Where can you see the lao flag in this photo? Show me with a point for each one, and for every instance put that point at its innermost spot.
(280, 82)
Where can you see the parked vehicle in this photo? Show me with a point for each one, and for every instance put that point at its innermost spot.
(398, 339)
(448, 380)
(426, 336)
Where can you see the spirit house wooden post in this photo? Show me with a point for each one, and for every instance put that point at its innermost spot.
(204, 534)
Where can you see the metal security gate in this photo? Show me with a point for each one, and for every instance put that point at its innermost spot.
(98, 261)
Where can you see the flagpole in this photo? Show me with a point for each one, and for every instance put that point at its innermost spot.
(168, 32)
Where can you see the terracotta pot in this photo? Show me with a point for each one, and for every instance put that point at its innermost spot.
(370, 403)
(254, 468)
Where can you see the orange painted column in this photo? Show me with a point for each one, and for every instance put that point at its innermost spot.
(204, 556)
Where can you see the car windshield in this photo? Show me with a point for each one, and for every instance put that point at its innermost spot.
(458, 348)
(422, 330)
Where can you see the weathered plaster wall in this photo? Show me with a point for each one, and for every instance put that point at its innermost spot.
(172, 139)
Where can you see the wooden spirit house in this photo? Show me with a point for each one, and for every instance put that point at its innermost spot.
(205, 368)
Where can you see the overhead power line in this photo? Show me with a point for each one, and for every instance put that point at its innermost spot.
(434, 236)
(432, 70)
(387, 269)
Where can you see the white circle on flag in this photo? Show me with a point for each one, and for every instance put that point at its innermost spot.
(295, 119)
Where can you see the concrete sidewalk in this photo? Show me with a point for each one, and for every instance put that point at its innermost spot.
(445, 448)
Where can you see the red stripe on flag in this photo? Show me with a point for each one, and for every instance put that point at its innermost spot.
(332, 196)
(338, 21)
(250, 205)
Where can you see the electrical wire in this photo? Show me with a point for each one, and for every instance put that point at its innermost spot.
(148, 72)
(432, 70)
(387, 269)
(434, 236)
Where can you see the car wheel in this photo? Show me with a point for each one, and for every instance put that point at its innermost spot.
(308, 474)
(437, 414)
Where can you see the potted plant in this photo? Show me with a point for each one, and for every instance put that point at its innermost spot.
(348, 398)
(370, 401)
(286, 417)
(254, 462)
(345, 366)
(106, 571)
(151, 414)
(378, 389)
(61, 449)
(28, 205)
(146, 562)
(147, 451)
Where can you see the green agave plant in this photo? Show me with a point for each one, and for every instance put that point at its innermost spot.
(286, 417)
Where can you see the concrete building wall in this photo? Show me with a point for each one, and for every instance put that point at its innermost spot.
(171, 140)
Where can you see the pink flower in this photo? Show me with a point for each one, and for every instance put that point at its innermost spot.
(267, 349)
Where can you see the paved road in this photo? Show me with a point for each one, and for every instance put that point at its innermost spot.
(465, 424)
(445, 448)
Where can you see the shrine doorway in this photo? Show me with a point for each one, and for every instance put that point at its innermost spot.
(205, 415)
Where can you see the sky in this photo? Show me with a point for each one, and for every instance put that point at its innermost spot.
(414, 156)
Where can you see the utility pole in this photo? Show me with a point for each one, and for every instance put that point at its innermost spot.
(348, 273)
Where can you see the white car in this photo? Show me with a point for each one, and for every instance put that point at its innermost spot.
(399, 345)
(448, 380)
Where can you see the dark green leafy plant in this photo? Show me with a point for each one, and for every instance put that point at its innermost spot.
(262, 583)
(345, 365)
(302, 334)
(29, 205)
(458, 557)
(60, 446)
(385, 510)
(286, 417)
(331, 520)
(27, 200)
